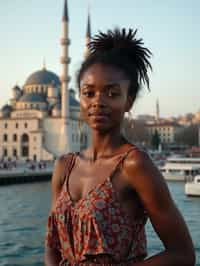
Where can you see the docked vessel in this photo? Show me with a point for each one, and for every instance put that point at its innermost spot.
(193, 188)
(181, 169)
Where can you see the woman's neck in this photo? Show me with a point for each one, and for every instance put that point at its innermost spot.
(105, 144)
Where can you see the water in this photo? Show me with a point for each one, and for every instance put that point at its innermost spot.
(24, 209)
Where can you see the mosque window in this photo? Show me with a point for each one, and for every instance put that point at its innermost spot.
(5, 152)
(5, 137)
(25, 145)
(25, 151)
(6, 125)
(15, 152)
(25, 125)
(16, 125)
(15, 137)
(25, 138)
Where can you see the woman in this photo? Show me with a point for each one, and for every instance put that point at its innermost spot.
(101, 197)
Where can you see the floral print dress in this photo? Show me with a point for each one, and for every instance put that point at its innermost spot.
(95, 230)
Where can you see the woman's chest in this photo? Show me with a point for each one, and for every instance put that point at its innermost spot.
(89, 184)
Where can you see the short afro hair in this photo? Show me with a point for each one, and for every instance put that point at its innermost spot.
(121, 49)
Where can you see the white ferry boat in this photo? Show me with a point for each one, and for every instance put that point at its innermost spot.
(181, 168)
(193, 188)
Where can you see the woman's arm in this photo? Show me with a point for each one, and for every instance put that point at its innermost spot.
(167, 221)
(52, 256)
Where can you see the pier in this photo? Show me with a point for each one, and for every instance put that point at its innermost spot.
(26, 173)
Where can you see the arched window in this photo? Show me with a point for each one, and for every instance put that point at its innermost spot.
(5, 152)
(15, 152)
(25, 145)
(25, 125)
(15, 137)
(6, 125)
(25, 138)
(16, 125)
(5, 137)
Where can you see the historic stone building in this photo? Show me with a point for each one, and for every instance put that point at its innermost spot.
(42, 120)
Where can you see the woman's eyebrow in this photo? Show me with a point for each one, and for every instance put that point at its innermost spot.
(87, 85)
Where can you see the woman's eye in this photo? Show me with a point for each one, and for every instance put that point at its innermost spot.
(88, 93)
(113, 94)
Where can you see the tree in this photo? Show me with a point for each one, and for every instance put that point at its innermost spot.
(155, 141)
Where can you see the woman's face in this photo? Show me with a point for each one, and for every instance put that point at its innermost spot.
(104, 97)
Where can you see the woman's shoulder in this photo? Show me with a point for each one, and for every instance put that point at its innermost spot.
(61, 167)
(138, 163)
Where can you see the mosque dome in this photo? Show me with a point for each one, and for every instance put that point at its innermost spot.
(32, 97)
(43, 77)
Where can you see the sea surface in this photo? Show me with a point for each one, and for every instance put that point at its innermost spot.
(23, 215)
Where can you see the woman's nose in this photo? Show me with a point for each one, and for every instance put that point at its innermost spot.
(99, 100)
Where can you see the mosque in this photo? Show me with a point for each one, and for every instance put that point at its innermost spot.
(42, 120)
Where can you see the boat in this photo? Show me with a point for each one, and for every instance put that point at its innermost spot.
(193, 188)
(180, 168)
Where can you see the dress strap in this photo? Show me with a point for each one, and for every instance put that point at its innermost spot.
(70, 160)
(121, 161)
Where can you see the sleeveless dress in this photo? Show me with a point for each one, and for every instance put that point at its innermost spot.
(95, 230)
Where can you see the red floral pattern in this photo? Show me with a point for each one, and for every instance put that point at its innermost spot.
(95, 225)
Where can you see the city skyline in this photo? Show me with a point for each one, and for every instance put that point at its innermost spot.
(31, 32)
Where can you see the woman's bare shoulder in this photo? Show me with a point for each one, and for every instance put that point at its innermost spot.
(140, 169)
(61, 168)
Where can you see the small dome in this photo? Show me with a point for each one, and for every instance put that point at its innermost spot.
(43, 77)
(5, 110)
(6, 107)
(32, 97)
(16, 88)
(73, 102)
(16, 92)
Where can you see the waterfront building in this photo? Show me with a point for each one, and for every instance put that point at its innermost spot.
(166, 130)
(42, 120)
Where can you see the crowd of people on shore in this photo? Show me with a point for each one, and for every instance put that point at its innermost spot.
(9, 164)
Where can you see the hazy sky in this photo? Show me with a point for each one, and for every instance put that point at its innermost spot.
(31, 29)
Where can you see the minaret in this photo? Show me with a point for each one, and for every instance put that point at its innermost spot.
(157, 110)
(88, 35)
(65, 60)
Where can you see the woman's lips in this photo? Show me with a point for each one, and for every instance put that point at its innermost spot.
(98, 116)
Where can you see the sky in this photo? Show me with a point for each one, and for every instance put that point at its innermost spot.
(30, 30)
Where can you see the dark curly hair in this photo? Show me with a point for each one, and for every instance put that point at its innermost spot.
(120, 49)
